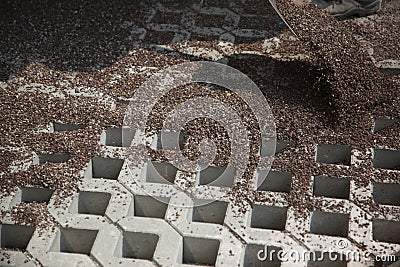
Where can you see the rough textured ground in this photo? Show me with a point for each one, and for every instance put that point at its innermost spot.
(79, 63)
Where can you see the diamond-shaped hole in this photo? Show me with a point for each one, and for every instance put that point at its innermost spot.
(60, 127)
(333, 154)
(387, 159)
(119, 137)
(200, 251)
(386, 231)
(160, 172)
(213, 212)
(333, 187)
(146, 206)
(329, 223)
(95, 203)
(78, 241)
(217, 176)
(275, 181)
(107, 168)
(15, 236)
(386, 193)
(137, 246)
(382, 123)
(268, 217)
(36, 194)
(53, 158)
(270, 254)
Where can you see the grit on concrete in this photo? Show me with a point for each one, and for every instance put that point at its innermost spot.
(67, 73)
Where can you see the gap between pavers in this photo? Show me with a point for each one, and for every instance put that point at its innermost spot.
(254, 233)
(331, 187)
(141, 241)
(388, 159)
(61, 127)
(273, 180)
(218, 176)
(8, 201)
(29, 194)
(53, 158)
(386, 193)
(132, 180)
(359, 229)
(389, 66)
(104, 168)
(333, 154)
(15, 258)
(40, 243)
(272, 147)
(14, 236)
(169, 141)
(95, 201)
(383, 123)
(120, 137)
(135, 180)
(61, 246)
(200, 230)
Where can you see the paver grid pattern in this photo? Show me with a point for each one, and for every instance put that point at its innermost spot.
(111, 221)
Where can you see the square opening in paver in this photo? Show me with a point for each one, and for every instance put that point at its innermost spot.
(386, 231)
(333, 187)
(217, 176)
(386, 193)
(36, 194)
(268, 217)
(200, 251)
(53, 158)
(267, 147)
(275, 181)
(146, 206)
(79, 241)
(208, 211)
(119, 137)
(270, 254)
(383, 123)
(329, 223)
(333, 259)
(107, 168)
(333, 154)
(15, 236)
(138, 245)
(60, 127)
(160, 172)
(387, 159)
(171, 140)
(95, 203)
